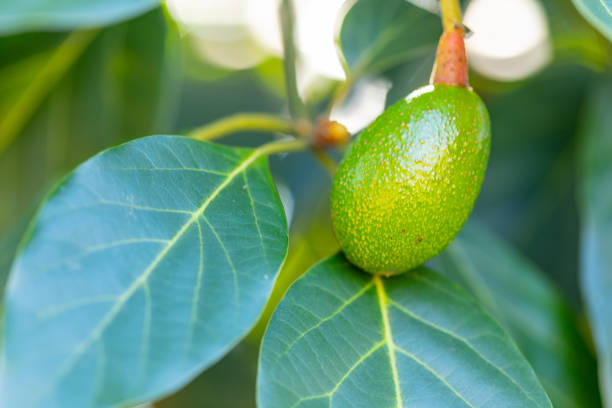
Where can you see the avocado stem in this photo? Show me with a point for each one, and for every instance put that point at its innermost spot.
(451, 66)
(451, 16)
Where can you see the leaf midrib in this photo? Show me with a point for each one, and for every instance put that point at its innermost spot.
(73, 358)
(321, 321)
(384, 303)
(388, 336)
(462, 340)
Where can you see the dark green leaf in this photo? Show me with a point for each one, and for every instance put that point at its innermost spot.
(114, 92)
(529, 307)
(341, 338)
(598, 13)
(377, 35)
(145, 266)
(528, 192)
(596, 211)
(407, 77)
(33, 15)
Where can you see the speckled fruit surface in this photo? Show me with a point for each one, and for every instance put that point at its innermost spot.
(409, 182)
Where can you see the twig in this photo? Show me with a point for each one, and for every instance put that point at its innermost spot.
(297, 108)
(244, 121)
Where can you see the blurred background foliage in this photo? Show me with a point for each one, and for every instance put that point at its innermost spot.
(188, 63)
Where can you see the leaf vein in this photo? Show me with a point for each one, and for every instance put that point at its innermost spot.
(229, 261)
(160, 169)
(435, 373)
(80, 349)
(198, 287)
(352, 368)
(462, 340)
(383, 301)
(146, 331)
(248, 189)
(343, 306)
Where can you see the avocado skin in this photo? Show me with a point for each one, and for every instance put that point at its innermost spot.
(409, 181)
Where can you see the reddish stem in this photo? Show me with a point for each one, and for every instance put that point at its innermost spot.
(451, 67)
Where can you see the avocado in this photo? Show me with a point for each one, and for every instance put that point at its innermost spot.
(409, 181)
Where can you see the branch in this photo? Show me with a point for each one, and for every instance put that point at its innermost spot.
(243, 121)
(297, 108)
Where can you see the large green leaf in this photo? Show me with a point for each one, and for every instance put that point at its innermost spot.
(598, 13)
(231, 382)
(341, 338)
(145, 266)
(114, 92)
(596, 211)
(530, 308)
(33, 15)
(377, 35)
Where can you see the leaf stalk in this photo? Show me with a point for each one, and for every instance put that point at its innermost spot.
(243, 121)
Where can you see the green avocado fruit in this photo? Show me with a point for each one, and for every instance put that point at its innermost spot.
(409, 181)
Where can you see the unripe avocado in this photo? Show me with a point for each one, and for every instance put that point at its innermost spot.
(409, 181)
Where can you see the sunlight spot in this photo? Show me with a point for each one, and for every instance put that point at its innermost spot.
(366, 102)
(287, 200)
(239, 34)
(418, 92)
(509, 40)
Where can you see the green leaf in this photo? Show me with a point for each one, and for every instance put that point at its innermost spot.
(573, 39)
(536, 316)
(36, 15)
(598, 13)
(124, 77)
(145, 266)
(37, 87)
(596, 212)
(377, 35)
(342, 338)
(528, 188)
(407, 77)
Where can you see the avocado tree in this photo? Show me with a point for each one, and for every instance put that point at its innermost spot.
(153, 259)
